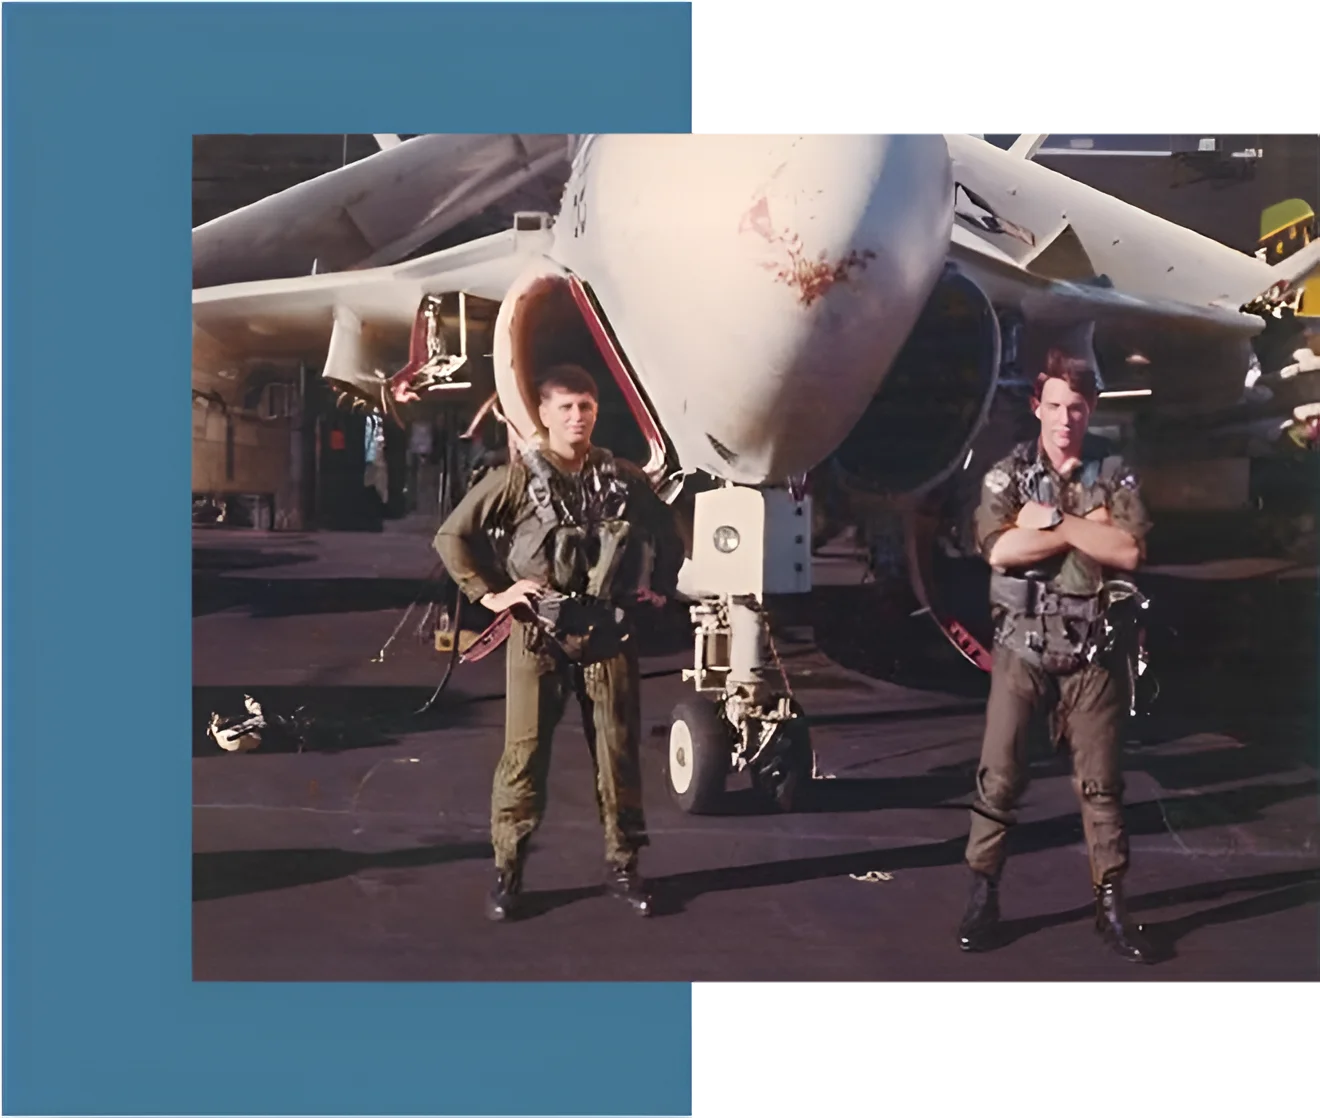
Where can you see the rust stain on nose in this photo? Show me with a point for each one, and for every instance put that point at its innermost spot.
(757, 220)
(813, 278)
(810, 278)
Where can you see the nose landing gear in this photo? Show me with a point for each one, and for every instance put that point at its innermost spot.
(752, 726)
(747, 543)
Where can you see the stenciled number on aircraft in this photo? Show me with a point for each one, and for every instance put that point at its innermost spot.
(580, 195)
(580, 211)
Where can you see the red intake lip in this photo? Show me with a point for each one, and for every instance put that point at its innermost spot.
(614, 359)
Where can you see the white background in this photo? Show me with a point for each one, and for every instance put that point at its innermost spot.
(1124, 1050)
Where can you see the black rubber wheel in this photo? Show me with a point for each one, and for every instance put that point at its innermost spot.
(700, 751)
(789, 780)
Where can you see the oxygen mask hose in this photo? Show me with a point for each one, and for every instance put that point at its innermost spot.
(454, 651)
(453, 659)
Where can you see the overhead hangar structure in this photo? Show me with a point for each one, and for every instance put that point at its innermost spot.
(380, 209)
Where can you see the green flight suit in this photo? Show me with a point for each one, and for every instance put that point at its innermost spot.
(492, 539)
(1035, 670)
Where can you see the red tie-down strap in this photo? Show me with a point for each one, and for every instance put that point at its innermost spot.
(494, 635)
(920, 526)
(497, 632)
(965, 643)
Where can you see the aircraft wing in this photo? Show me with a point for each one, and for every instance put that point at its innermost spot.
(1043, 298)
(363, 324)
(1187, 357)
(379, 209)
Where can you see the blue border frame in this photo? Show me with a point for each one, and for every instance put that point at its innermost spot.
(100, 1013)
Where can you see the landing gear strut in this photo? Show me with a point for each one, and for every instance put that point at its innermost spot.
(784, 777)
(747, 543)
(749, 723)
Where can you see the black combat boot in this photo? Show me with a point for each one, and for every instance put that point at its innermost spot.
(628, 885)
(980, 923)
(502, 900)
(1116, 927)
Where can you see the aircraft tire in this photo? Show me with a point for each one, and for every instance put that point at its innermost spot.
(697, 763)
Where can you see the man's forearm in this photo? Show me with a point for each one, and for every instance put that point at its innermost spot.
(465, 566)
(1106, 544)
(1021, 547)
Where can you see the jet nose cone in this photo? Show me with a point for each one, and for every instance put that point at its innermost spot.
(762, 285)
(758, 286)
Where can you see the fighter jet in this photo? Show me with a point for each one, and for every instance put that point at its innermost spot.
(766, 306)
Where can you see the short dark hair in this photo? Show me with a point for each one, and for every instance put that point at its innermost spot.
(1077, 372)
(569, 378)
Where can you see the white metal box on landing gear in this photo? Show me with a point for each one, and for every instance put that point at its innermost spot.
(747, 543)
